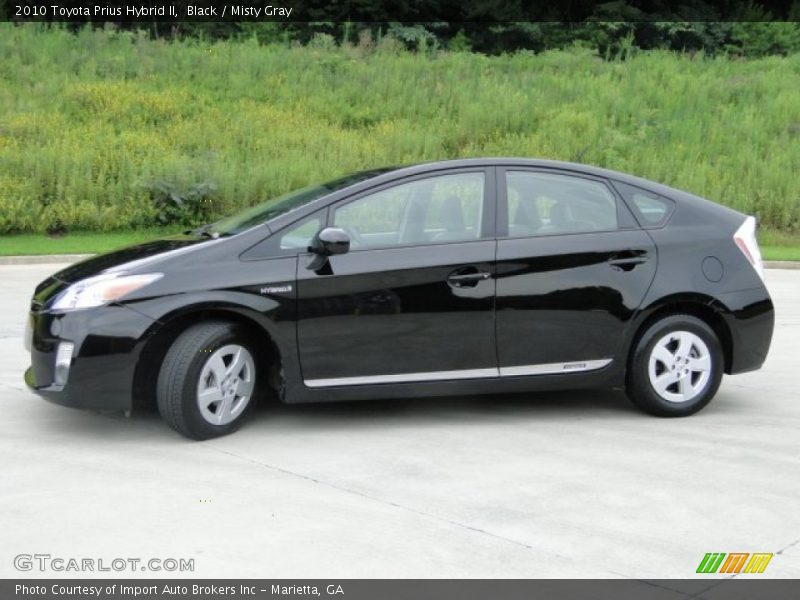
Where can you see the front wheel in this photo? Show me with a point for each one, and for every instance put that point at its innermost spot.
(207, 381)
(676, 367)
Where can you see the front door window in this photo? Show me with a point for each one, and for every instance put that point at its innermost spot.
(434, 210)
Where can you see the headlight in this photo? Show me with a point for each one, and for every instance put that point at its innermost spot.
(101, 289)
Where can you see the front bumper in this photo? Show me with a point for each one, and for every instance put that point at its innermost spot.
(100, 372)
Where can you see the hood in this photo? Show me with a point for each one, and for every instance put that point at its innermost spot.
(133, 258)
(139, 258)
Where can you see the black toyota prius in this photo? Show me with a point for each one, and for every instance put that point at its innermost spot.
(459, 277)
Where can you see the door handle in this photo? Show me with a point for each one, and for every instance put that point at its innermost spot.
(626, 264)
(467, 278)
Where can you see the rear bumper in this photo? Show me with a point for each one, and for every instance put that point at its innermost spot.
(106, 345)
(751, 320)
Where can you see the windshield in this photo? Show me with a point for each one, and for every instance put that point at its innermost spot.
(275, 207)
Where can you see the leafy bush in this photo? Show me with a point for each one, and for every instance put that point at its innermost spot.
(189, 206)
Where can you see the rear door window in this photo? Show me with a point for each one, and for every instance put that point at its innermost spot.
(554, 203)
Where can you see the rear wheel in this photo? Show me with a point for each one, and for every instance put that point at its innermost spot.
(676, 367)
(207, 381)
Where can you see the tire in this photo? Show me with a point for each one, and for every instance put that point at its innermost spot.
(675, 367)
(207, 382)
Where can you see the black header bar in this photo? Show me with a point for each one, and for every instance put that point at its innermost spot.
(417, 11)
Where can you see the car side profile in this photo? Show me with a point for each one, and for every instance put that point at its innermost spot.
(458, 277)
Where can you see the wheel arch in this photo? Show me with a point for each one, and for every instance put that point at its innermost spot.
(166, 329)
(706, 308)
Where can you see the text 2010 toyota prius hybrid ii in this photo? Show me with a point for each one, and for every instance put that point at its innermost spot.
(458, 277)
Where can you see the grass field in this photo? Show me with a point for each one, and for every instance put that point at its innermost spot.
(781, 253)
(74, 243)
(91, 126)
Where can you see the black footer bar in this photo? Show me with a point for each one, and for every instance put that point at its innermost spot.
(399, 589)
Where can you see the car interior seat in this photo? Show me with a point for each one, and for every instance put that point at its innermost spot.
(559, 217)
(452, 218)
(563, 220)
(526, 220)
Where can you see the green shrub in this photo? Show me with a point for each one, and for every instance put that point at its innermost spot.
(174, 205)
(90, 123)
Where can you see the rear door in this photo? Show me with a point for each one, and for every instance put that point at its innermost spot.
(413, 299)
(572, 269)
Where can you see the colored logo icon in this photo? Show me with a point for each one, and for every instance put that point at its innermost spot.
(734, 562)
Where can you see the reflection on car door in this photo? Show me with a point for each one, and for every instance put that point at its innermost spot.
(572, 269)
(413, 300)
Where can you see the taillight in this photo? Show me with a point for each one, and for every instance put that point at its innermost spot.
(745, 240)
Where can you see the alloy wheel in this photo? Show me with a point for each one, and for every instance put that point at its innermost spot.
(226, 384)
(679, 366)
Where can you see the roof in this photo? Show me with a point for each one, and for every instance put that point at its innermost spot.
(393, 173)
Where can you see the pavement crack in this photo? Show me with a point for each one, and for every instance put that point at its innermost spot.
(12, 387)
(391, 503)
(792, 545)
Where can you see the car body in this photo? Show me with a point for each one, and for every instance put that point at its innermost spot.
(456, 277)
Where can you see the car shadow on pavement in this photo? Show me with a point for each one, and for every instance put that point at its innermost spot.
(484, 408)
(543, 407)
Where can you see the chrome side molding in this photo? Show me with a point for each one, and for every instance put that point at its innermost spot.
(553, 368)
(522, 370)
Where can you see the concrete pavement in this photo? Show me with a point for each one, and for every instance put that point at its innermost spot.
(552, 485)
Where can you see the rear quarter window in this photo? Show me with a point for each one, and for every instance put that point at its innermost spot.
(651, 209)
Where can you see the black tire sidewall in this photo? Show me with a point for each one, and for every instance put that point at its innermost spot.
(639, 388)
(191, 422)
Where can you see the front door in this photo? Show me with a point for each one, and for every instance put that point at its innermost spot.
(413, 299)
(572, 269)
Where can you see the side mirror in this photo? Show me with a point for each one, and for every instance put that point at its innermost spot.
(330, 241)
